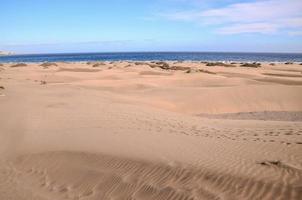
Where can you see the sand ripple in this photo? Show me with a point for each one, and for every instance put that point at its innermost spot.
(79, 175)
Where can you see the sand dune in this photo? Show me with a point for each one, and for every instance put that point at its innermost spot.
(266, 115)
(78, 70)
(77, 175)
(127, 131)
(283, 74)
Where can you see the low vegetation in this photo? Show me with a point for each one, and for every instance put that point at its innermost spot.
(140, 63)
(221, 64)
(163, 65)
(98, 64)
(206, 71)
(19, 65)
(181, 68)
(48, 64)
(199, 70)
(151, 65)
(129, 65)
(253, 65)
(268, 163)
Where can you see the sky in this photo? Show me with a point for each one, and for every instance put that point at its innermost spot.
(63, 26)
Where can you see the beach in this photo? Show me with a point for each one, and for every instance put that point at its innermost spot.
(174, 130)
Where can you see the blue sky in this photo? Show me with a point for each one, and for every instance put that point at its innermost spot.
(58, 26)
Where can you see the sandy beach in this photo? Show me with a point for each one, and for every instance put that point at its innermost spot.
(150, 131)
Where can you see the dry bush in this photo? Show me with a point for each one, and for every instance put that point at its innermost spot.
(253, 65)
(19, 65)
(129, 65)
(163, 65)
(140, 63)
(48, 64)
(221, 64)
(98, 64)
(152, 65)
(199, 70)
(179, 68)
(206, 71)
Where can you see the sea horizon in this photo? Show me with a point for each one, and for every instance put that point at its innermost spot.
(155, 55)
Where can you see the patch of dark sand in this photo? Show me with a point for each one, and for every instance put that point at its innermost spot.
(265, 115)
(283, 75)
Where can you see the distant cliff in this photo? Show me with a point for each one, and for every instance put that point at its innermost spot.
(5, 53)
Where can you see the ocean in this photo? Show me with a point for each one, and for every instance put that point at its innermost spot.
(146, 56)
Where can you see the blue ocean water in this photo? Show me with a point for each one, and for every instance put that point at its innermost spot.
(144, 56)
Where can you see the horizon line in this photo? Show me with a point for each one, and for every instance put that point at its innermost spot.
(116, 52)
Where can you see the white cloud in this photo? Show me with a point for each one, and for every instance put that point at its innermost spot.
(295, 33)
(263, 28)
(262, 16)
(257, 11)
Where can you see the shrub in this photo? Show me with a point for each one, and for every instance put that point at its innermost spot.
(140, 63)
(179, 68)
(48, 64)
(199, 70)
(253, 65)
(19, 65)
(206, 71)
(98, 64)
(212, 64)
(163, 65)
(152, 65)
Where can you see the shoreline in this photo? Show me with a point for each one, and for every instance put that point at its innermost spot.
(158, 56)
(150, 61)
